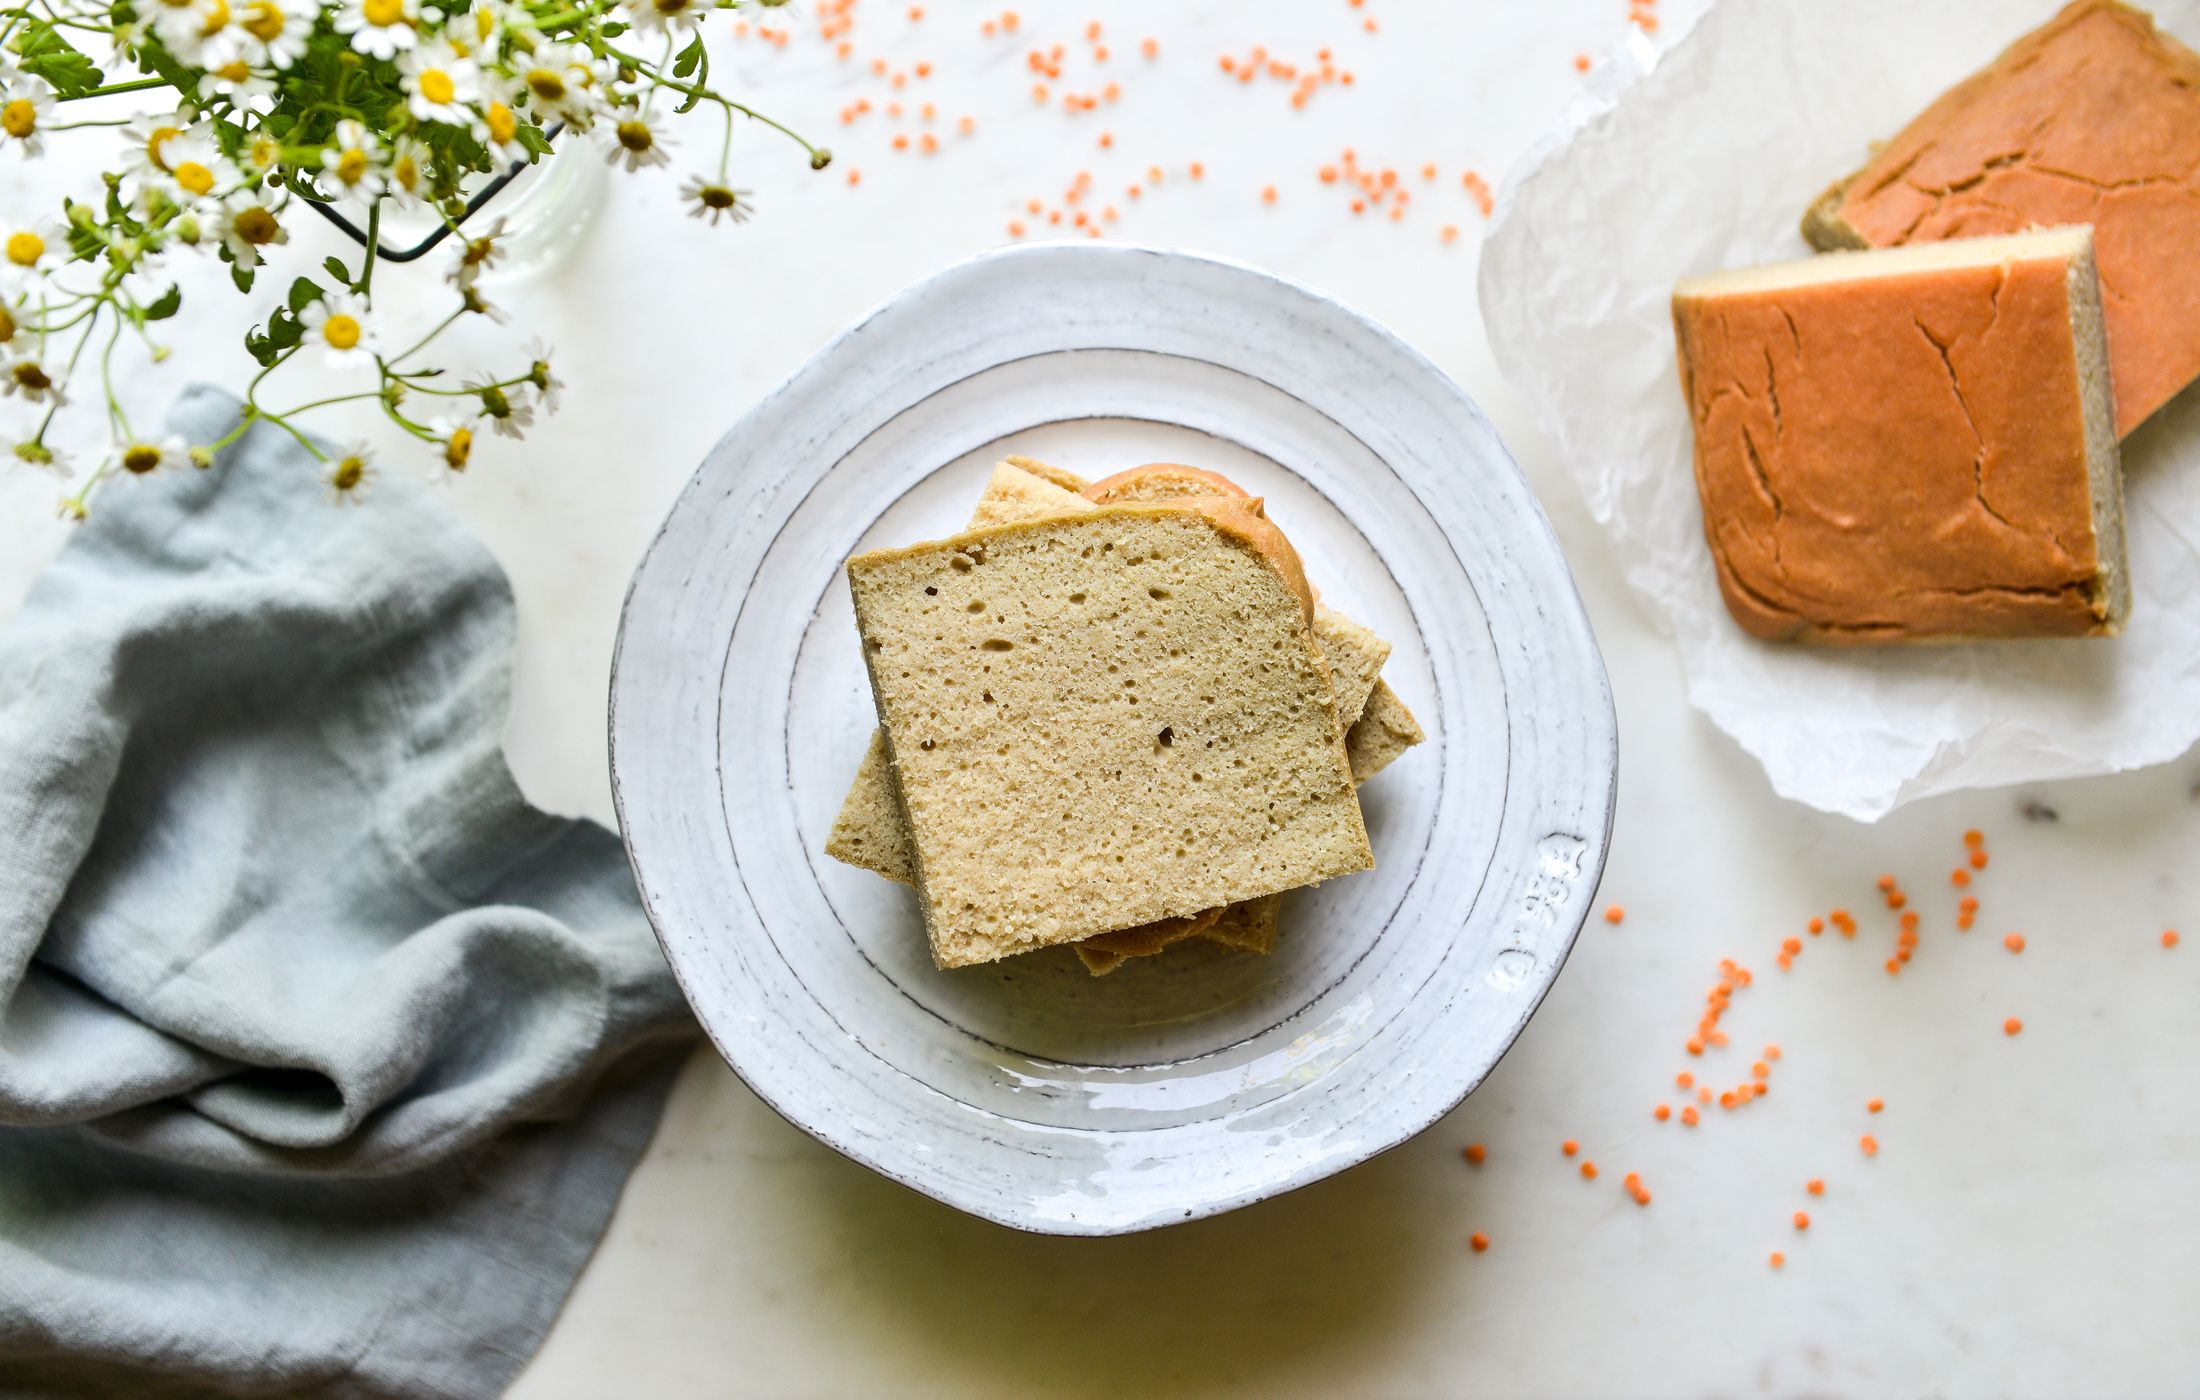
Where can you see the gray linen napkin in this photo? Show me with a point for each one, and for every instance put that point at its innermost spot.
(323, 1056)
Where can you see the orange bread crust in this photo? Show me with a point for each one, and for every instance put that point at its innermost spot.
(1895, 457)
(2094, 118)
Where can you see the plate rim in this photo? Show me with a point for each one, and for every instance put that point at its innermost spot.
(1596, 707)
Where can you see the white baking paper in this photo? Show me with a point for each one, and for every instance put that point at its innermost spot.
(1707, 161)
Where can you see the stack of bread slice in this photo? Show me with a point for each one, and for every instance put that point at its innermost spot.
(1112, 717)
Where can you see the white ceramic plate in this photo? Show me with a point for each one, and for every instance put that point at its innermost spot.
(1025, 1091)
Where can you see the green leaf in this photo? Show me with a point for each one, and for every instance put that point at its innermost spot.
(685, 62)
(534, 139)
(336, 270)
(165, 305)
(303, 293)
(44, 52)
(285, 330)
(242, 276)
(86, 242)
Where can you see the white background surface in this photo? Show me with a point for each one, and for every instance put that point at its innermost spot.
(2026, 1227)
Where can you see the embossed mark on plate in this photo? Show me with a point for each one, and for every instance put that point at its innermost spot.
(1557, 867)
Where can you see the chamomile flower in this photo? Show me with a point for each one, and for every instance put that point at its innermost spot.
(498, 129)
(457, 437)
(275, 31)
(352, 161)
(408, 172)
(507, 409)
(350, 472)
(29, 250)
(25, 101)
(246, 225)
(235, 79)
(477, 255)
(201, 33)
(145, 458)
(714, 200)
(379, 28)
(663, 16)
(439, 83)
(262, 153)
(192, 167)
(562, 85)
(32, 452)
(477, 30)
(339, 326)
(547, 385)
(637, 142)
(25, 376)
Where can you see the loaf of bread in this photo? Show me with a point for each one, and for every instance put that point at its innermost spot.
(1102, 719)
(2094, 118)
(1909, 444)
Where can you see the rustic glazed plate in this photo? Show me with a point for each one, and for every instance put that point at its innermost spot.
(1025, 1091)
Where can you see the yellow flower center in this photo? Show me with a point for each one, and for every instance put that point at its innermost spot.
(193, 177)
(217, 19)
(235, 70)
(437, 87)
(265, 151)
(348, 474)
(7, 324)
(351, 166)
(19, 118)
(503, 126)
(263, 21)
(160, 137)
(546, 84)
(670, 7)
(715, 197)
(31, 375)
(139, 458)
(485, 24)
(341, 331)
(256, 226)
(383, 13)
(459, 448)
(26, 248)
(406, 172)
(635, 136)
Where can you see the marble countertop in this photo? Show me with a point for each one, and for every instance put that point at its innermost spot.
(2023, 1228)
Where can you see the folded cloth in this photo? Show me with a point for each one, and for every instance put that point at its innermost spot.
(323, 1056)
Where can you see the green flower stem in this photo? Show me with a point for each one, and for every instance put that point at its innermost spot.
(110, 89)
(416, 347)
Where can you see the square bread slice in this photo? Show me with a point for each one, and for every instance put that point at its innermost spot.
(1105, 718)
(869, 831)
(1911, 444)
(2093, 118)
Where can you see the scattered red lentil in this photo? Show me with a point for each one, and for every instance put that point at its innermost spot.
(1772, 1052)
(1569, 1147)
(1817, 926)
(1870, 1145)
(1199, 172)
(2014, 942)
(1974, 837)
(1802, 1220)
(1874, 1105)
(1107, 139)
(1581, 63)
(1015, 229)
(1479, 1240)
(1684, 1080)
(1268, 194)
(1778, 1259)
(1662, 1112)
(1151, 48)
(1815, 1186)
(1589, 1171)
(1613, 913)
(1959, 877)
(2011, 1026)
(1688, 1115)
(916, 12)
(2169, 938)
(855, 177)
(1476, 1153)
(1449, 233)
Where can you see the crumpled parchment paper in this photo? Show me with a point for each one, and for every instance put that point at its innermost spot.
(1706, 161)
